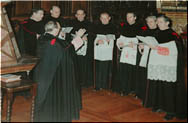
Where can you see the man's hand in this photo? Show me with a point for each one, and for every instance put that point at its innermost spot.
(108, 41)
(152, 47)
(121, 44)
(131, 44)
(63, 34)
(84, 38)
(100, 42)
(38, 35)
(141, 48)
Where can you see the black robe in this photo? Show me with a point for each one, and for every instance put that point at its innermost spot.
(103, 69)
(27, 36)
(170, 96)
(84, 63)
(142, 71)
(58, 94)
(126, 73)
(60, 20)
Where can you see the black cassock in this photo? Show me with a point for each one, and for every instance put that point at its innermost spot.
(60, 20)
(141, 84)
(126, 77)
(58, 95)
(170, 96)
(103, 69)
(84, 62)
(27, 36)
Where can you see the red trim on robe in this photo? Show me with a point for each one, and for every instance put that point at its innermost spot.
(32, 33)
(23, 22)
(176, 35)
(144, 28)
(53, 41)
(122, 24)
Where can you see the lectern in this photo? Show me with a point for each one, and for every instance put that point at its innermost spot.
(12, 61)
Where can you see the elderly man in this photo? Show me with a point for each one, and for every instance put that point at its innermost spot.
(58, 95)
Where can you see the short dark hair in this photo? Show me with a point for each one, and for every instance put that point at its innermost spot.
(105, 12)
(131, 11)
(54, 6)
(166, 19)
(35, 10)
(81, 10)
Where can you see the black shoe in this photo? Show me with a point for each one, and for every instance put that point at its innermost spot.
(97, 89)
(124, 94)
(168, 117)
(159, 111)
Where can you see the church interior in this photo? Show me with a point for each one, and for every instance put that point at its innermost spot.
(103, 105)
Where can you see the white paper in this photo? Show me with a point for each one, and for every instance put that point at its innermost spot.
(67, 29)
(110, 36)
(83, 50)
(77, 42)
(161, 67)
(60, 37)
(74, 35)
(128, 54)
(103, 52)
(126, 41)
(144, 58)
(149, 40)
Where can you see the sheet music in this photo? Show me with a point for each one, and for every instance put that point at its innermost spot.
(83, 50)
(104, 52)
(149, 40)
(144, 58)
(128, 54)
(110, 36)
(67, 29)
(64, 30)
(60, 37)
(163, 67)
(126, 41)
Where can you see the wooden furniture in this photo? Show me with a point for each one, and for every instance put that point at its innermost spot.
(26, 63)
(9, 50)
(9, 90)
(12, 61)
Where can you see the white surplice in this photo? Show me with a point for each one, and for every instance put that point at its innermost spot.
(128, 54)
(104, 52)
(163, 67)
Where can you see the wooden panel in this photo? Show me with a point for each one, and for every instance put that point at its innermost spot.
(23, 7)
(46, 5)
(36, 4)
(79, 4)
(9, 50)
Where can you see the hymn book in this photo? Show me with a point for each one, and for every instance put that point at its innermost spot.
(149, 40)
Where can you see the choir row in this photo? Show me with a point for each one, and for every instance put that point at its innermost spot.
(147, 61)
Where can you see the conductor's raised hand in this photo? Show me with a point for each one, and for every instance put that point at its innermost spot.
(80, 32)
